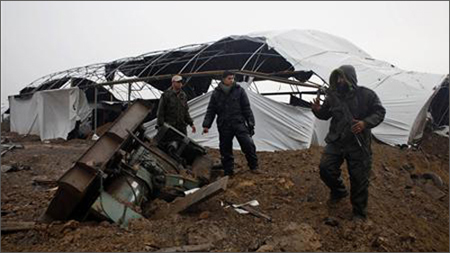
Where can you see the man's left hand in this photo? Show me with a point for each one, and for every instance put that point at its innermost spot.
(358, 126)
(251, 130)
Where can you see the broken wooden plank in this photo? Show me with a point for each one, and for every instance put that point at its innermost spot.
(256, 212)
(14, 226)
(188, 248)
(181, 204)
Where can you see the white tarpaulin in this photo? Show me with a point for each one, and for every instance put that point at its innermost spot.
(50, 114)
(278, 126)
(405, 94)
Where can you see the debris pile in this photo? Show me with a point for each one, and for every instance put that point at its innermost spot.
(404, 214)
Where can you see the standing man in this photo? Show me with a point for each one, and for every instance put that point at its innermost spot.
(173, 108)
(230, 103)
(353, 110)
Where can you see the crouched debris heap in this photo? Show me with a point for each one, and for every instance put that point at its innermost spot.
(124, 171)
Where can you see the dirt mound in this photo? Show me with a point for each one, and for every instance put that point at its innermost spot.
(435, 145)
(408, 211)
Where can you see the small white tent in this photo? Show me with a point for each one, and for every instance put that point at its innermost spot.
(50, 114)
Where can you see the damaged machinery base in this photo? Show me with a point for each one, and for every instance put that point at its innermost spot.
(124, 171)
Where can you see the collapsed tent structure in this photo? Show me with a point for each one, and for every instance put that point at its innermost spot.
(293, 58)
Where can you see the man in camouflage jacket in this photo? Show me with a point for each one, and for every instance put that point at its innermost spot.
(173, 108)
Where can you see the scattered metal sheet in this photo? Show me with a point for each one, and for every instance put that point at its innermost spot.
(246, 208)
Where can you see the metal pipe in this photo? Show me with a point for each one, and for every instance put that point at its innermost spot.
(95, 110)
(129, 93)
(251, 56)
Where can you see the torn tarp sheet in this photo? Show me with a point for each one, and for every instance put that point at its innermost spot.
(50, 114)
(278, 126)
(406, 95)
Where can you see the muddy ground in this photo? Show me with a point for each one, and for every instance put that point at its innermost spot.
(406, 211)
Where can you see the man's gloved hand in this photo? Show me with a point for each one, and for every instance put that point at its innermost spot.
(251, 130)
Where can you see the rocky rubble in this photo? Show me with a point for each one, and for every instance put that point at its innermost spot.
(407, 210)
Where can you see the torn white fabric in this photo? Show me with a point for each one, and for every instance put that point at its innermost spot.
(404, 94)
(278, 126)
(50, 114)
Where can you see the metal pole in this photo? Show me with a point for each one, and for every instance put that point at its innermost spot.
(129, 93)
(260, 75)
(95, 111)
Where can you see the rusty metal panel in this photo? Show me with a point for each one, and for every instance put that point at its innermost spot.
(78, 180)
(101, 151)
(107, 145)
(130, 120)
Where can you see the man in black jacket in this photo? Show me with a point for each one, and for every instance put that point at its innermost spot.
(353, 110)
(230, 103)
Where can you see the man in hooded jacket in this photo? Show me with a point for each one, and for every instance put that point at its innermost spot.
(353, 110)
(230, 103)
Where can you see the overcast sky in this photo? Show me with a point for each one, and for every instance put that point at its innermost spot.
(39, 38)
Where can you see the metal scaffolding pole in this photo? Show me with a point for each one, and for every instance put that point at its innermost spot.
(129, 93)
(95, 110)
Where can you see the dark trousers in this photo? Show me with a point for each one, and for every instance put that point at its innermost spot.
(226, 135)
(359, 166)
(182, 129)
